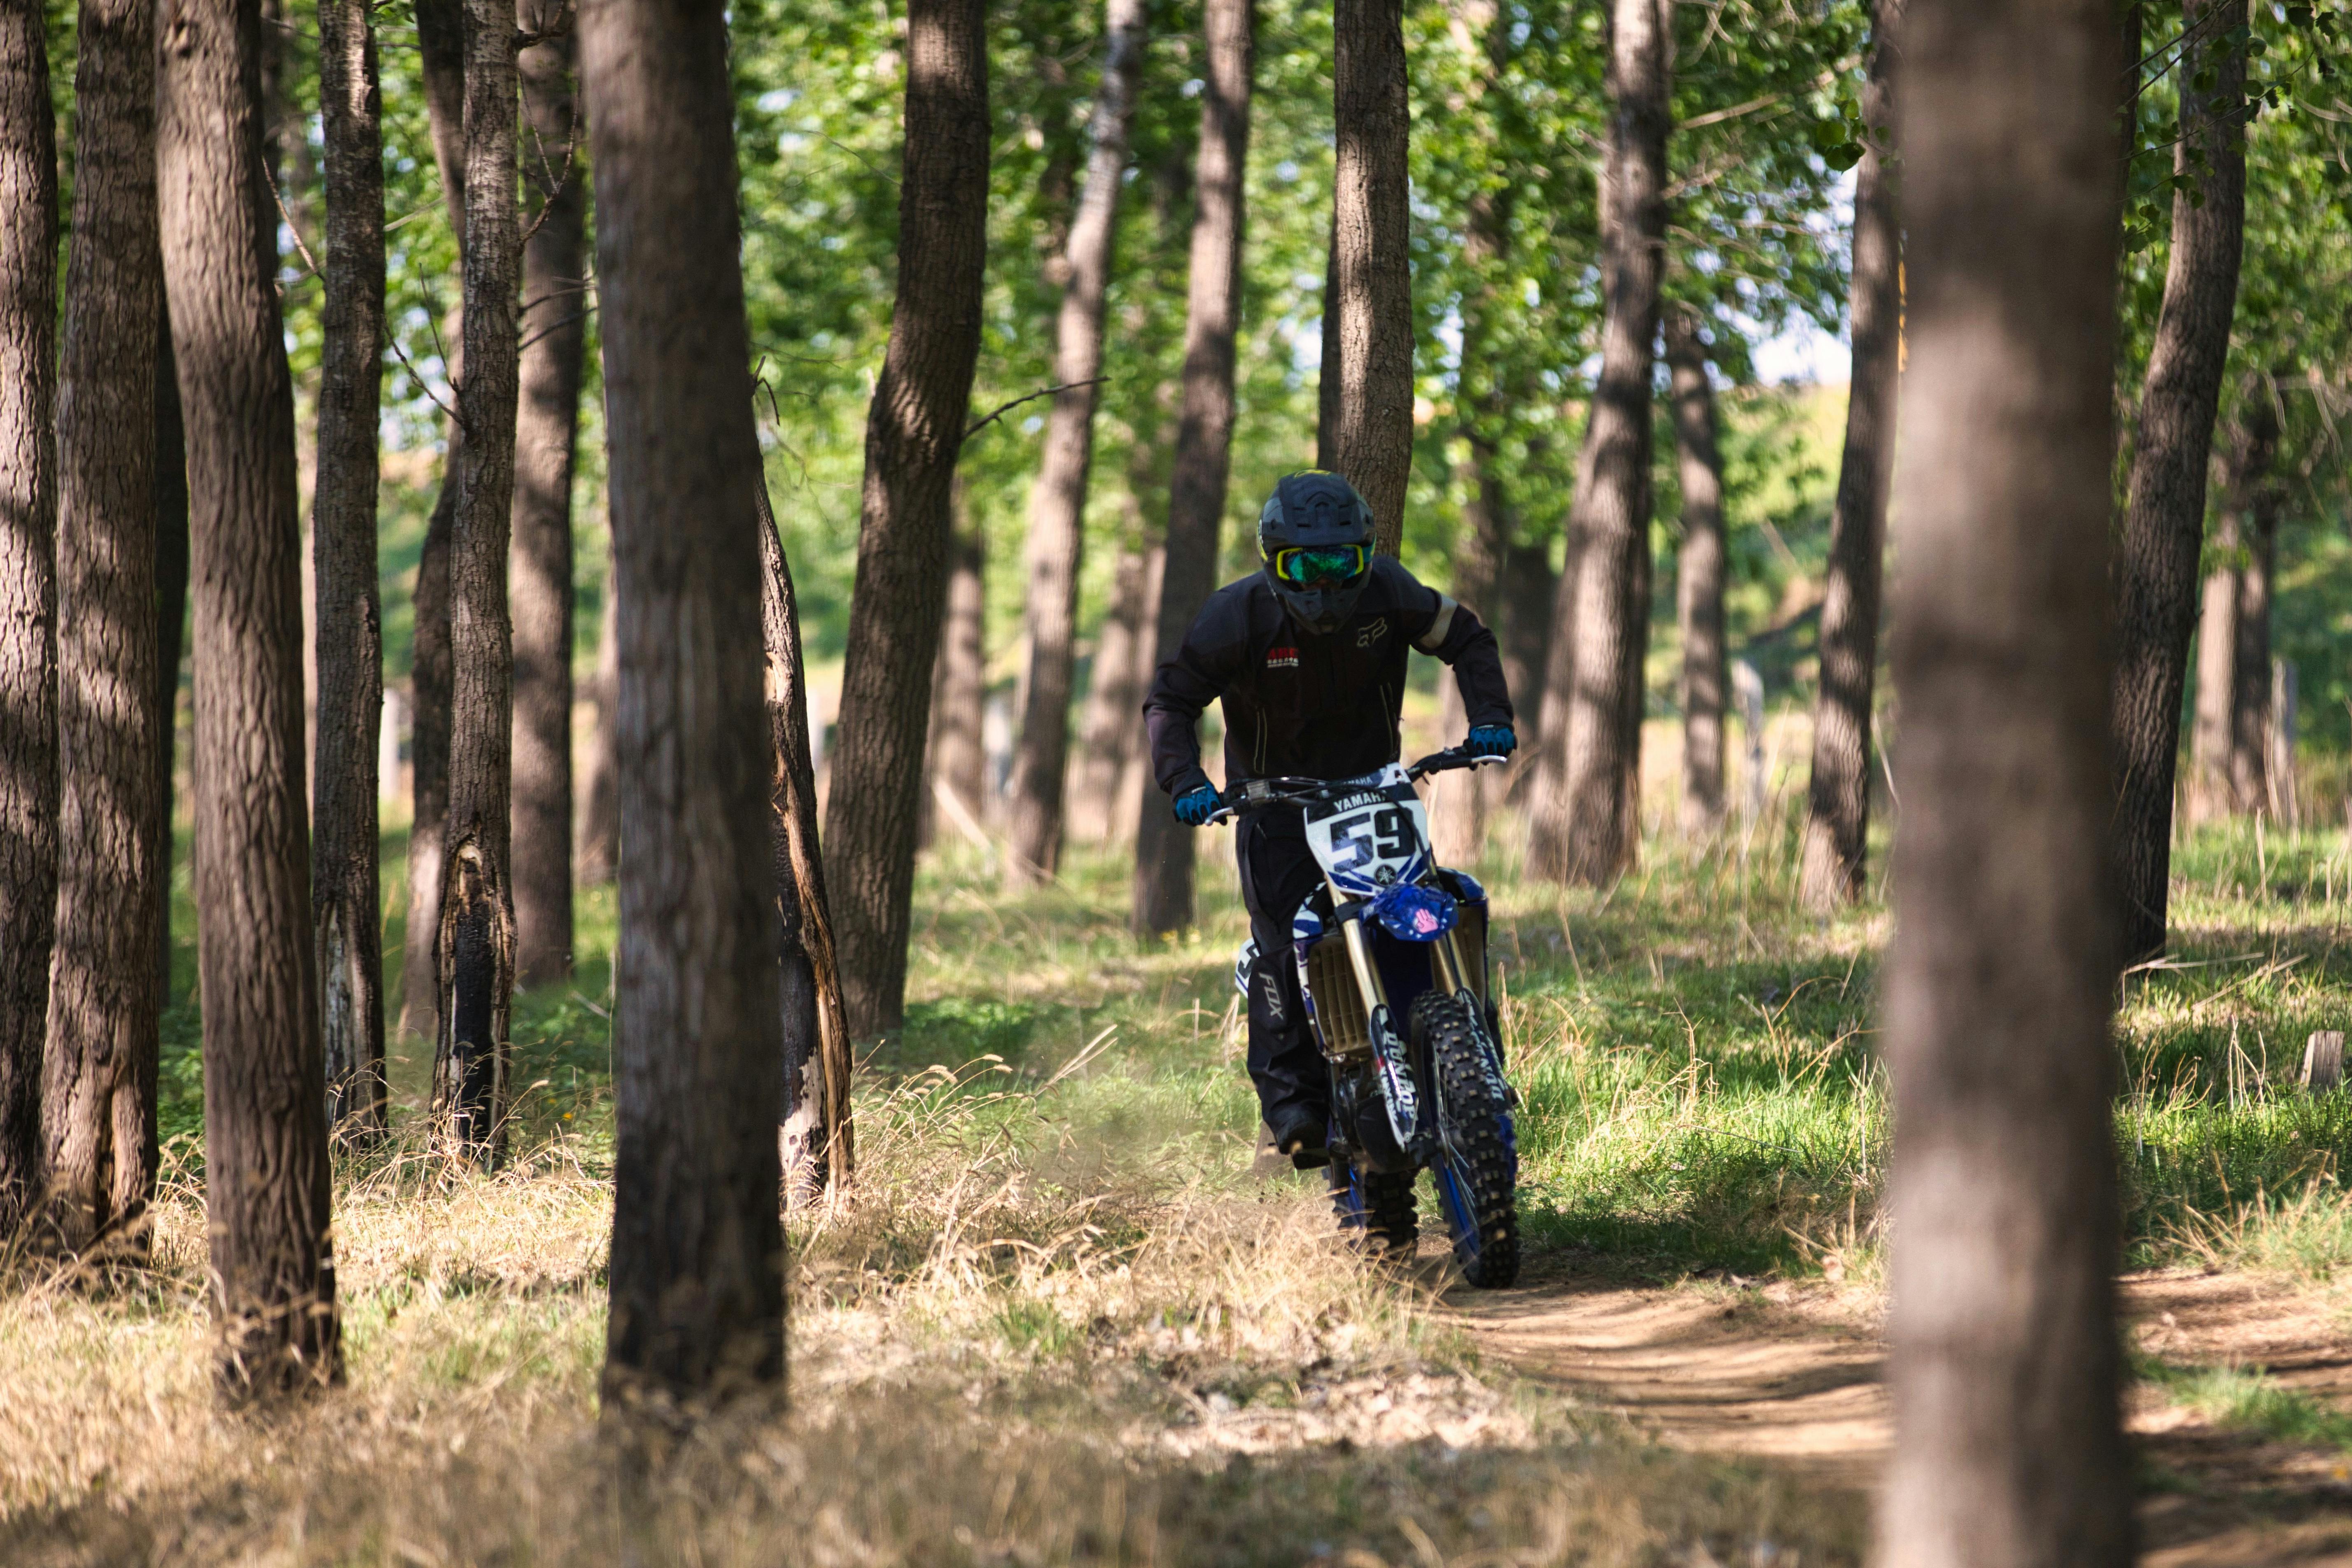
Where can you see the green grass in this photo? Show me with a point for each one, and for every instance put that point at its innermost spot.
(2249, 1399)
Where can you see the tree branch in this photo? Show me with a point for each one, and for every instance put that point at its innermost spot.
(1002, 409)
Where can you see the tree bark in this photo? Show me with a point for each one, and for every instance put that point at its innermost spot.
(815, 1137)
(171, 619)
(1164, 848)
(28, 507)
(1458, 802)
(912, 435)
(346, 908)
(1588, 808)
(2251, 783)
(98, 1094)
(440, 33)
(698, 1255)
(1057, 503)
(958, 761)
(2230, 749)
(2164, 522)
(600, 806)
(2004, 1371)
(266, 1170)
(475, 952)
(1372, 268)
(1837, 820)
(1111, 694)
(555, 346)
(1699, 573)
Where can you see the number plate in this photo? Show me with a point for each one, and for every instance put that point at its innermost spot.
(1369, 839)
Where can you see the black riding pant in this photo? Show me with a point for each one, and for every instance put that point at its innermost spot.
(1278, 873)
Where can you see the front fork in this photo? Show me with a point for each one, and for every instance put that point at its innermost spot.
(1415, 1132)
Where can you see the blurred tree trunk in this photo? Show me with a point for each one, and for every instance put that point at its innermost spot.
(441, 46)
(2164, 522)
(1699, 573)
(554, 345)
(600, 791)
(697, 1260)
(1530, 586)
(817, 1145)
(912, 435)
(1327, 381)
(1370, 278)
(2250, 688)
(171, 619)
(959, 762)
(344, 901)
(2229, 745)
(1588, 802)
(28, 503)
(1057, 504)
(2004, 1366)
(1134, 788)
(1837, 820)
(1164, 848)
(98, 1090)
(266, 1188)
(1105, 738)
(476, 951)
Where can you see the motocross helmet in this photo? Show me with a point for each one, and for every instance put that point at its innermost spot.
(1315, 544)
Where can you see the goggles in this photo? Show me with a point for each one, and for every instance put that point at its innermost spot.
(1322, 564)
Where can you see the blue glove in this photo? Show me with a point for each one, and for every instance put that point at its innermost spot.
(1491, 741)
(1194, 805)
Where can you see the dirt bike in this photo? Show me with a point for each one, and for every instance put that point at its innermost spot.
(1392, 935)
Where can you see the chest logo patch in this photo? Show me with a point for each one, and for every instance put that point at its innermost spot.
(1282, 659)
(1372, 633)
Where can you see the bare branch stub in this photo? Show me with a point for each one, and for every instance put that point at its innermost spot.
(1005, 408)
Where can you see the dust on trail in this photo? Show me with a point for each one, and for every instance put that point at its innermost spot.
(1793, 1376)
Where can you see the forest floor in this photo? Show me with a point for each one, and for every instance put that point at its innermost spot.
(1058, 1319)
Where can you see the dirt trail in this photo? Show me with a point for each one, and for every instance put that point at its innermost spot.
(1793, 1375)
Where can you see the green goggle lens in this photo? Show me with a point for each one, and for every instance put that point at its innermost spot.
(1330, 564)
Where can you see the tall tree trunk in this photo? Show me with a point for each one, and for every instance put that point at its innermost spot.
(1837, 820)
(912, 434)
(2164, 522)
(2004, 1372)
(97, 1092)
(958, 760)
(1588, 807)
(266, 1177)
(1372, 269)
(697, 1265)
(171, 619)
(441, 46)
(1458, 802)
(600, 791)
(1164, 848)
(817, 1139)
(28, 507)
(2229, 745)
(554, 344)
(1111, 694)
(1699, 573)
(1327, 377)
(344, 901)
(1530, 586)
(2250, 675)
(2212, 745)
(1058, 505)
(475, 952)
(1134, 786)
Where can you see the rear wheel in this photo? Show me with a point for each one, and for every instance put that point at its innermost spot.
(1478, 1166)
(1378, 1205)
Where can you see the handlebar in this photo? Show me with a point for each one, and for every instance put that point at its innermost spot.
(1257, 793)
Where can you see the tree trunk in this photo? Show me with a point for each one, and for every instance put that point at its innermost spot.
(1164, 848)
(554, 344)
(1134, 785)
(600, 805)
(2164, 522)
(97, 1092)
(1111, 695)
(959, 762)
(1699, 574)
(2251, 785)
(344, 901)
(1058, 502)
(28, 501)
(698, 1255)
(912, 434)
(2229, 747)
(1837, 820)
(266, 1176)
(476, 951)
(440, 33)
(1588, 808)
(1459, 801)
(2004, 1366)
(816, 1144)
(171, 619)
(2211, 739)
(1370, 274)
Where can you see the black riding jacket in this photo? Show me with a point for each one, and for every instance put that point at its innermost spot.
(1307, 706)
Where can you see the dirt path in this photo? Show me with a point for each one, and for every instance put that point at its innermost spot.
(1793, 1375)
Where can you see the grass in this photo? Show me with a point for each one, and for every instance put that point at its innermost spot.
(2248, 1399)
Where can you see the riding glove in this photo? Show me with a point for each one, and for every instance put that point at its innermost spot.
(1194, 805)
(1491, 741)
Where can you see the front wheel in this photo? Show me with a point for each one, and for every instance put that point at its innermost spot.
(1477, 1164)
(1377, 1203)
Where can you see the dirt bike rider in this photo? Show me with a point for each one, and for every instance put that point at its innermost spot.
(1308, 658)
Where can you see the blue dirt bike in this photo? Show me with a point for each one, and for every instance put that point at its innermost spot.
(1393, 935)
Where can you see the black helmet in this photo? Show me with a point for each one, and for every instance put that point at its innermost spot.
(1315, 542)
